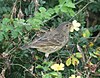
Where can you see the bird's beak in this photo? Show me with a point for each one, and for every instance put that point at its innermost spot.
(70, 25)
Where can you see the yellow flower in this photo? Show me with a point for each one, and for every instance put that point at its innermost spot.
(73, 76)
(78, 77)
(75, 26)
(57, 67)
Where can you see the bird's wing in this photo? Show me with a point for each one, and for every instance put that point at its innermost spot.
(49, 39)
(45, 42)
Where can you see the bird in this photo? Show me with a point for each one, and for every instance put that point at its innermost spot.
(52, 41)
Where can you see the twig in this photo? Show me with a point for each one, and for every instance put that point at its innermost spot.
(13, 12)
(36, 5)
(80, 10)
(50, 18)
(78, 2)
(96, 37)
(23, 68)
(88, 74)
(2, 74)
(80, 50)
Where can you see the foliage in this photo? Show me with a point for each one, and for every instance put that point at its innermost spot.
(79, 58)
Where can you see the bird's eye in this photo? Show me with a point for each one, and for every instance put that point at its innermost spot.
(66, 25)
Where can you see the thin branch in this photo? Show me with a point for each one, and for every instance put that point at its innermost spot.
(88, 74)
(23, 68)
(50, 18)
(78, 2)
(80, 10)
(96, 37)
(36, 5)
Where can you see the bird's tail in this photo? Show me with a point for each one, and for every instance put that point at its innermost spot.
(24, 47)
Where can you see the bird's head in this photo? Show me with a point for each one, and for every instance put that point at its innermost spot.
(65, 26)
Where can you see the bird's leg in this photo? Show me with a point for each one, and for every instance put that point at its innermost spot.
(46, 55)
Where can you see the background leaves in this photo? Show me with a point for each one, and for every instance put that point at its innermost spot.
(80, 56)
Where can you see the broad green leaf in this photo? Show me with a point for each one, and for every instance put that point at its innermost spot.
(51, 11)
(62, 1)
(4, 9)
(67, 10)
(71, 12)
(86, 33)
(28, 28)
(39, 66)
(5, 20)
(93, 55)
(64, 9)
(68, 61)
(54, 73)
(42, 9)
(99, 70)
(46, 76)
(57, 9)
(78, 55)
(14, 34)
(47, 15)
(75, 61)
(70, 4)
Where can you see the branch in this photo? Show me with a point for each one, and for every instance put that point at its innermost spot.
(23, 68)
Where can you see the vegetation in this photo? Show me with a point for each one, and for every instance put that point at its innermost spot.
(23, 20)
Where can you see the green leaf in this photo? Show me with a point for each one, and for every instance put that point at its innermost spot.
(93, 55)
(62, 1)
(42, 9)
(4, 9)
(54, 73)
(75, 61)
(71, 12)
(47, 15)
(99, 70)
(28, 28)
(57, 9)
(14, 34)
(39, 66)
(45, 68)
(70, 4)
(1, 36)
(86, 33)
(78, 55)
(6, 35)
(67, 10)
(46, 76)
(5, 20)
(51, 11)
(64, 9)
(68, 62)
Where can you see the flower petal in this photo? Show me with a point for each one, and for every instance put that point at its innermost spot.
(61, 65)
(55, 67)
(78, 24)
(74, 22)
(71, 28)
(77, 29)
(78, 77)
(73, 76)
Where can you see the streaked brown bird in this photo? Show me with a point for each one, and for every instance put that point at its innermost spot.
(52, 41)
